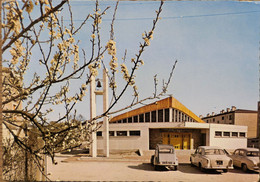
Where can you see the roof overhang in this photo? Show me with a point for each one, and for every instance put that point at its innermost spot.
(169, 102)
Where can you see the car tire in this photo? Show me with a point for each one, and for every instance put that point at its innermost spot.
(225, 170)
(152, 159)
(175, 168)
(201, 168)
(156, 168)
(244, 167)
(191, 164)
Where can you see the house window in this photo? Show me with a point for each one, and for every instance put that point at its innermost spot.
(111, 133)
(241, 152)
(226, 134)
(234, 134)
(147, 117)
(230, 117)
(121, 133)
(242, 134)
(135, 133)
(135, 119)
(124, 121)
(222, 117)
(99, 133)
(166, 115)
(130, 120)
(218, 133)
(160, 115)
(153, 116)
(141, 118)
(213, 120)
(120, 121)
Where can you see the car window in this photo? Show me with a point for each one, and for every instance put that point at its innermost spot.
(252, 154)
(214, 152)
(236, 152)
(166, 150)
(200, 151)
(241, 152)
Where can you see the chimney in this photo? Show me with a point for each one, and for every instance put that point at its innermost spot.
(213, 114)
(233, 108)
(208, 115)
(222, 111)
(228, 109)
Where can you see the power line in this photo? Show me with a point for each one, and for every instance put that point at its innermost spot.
(180, 17)
(211, 15)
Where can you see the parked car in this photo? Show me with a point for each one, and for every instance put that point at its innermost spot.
(164, 156)
(246, 158)
(209, 157)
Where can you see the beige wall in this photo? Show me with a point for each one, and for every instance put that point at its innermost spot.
(10, 106)
(227, 142)
(249, 120)
(142, 142)
(126, 142)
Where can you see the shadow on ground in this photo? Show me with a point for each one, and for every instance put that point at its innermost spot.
(143, 166)
(239, 170)
(184, 168)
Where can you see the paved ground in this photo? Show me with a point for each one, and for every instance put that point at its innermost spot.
(129, 167)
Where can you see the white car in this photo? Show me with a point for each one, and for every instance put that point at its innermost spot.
(164, 156)
(246, 158)
(209, 157)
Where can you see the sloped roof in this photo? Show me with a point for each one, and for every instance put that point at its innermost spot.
(169, 102)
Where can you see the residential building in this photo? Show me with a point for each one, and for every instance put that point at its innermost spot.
(234, 116)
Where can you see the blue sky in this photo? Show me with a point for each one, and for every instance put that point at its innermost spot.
(216, 44)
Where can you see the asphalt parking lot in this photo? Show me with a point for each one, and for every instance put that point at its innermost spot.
(82, 168)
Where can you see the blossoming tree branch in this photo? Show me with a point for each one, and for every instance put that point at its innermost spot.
(35, 35)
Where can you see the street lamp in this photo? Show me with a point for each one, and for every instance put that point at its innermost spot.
(93, 93)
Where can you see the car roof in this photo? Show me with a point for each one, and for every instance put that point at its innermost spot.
(210, 147)
(160, 146)
(248, 149)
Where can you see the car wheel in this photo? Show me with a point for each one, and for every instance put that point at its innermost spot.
(152, 158)
(175, 168)
(244, 167)
(225, 170)
(201, 168)
(191, 164)
(156, 168)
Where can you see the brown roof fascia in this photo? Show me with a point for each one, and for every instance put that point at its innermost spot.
(169, 102)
